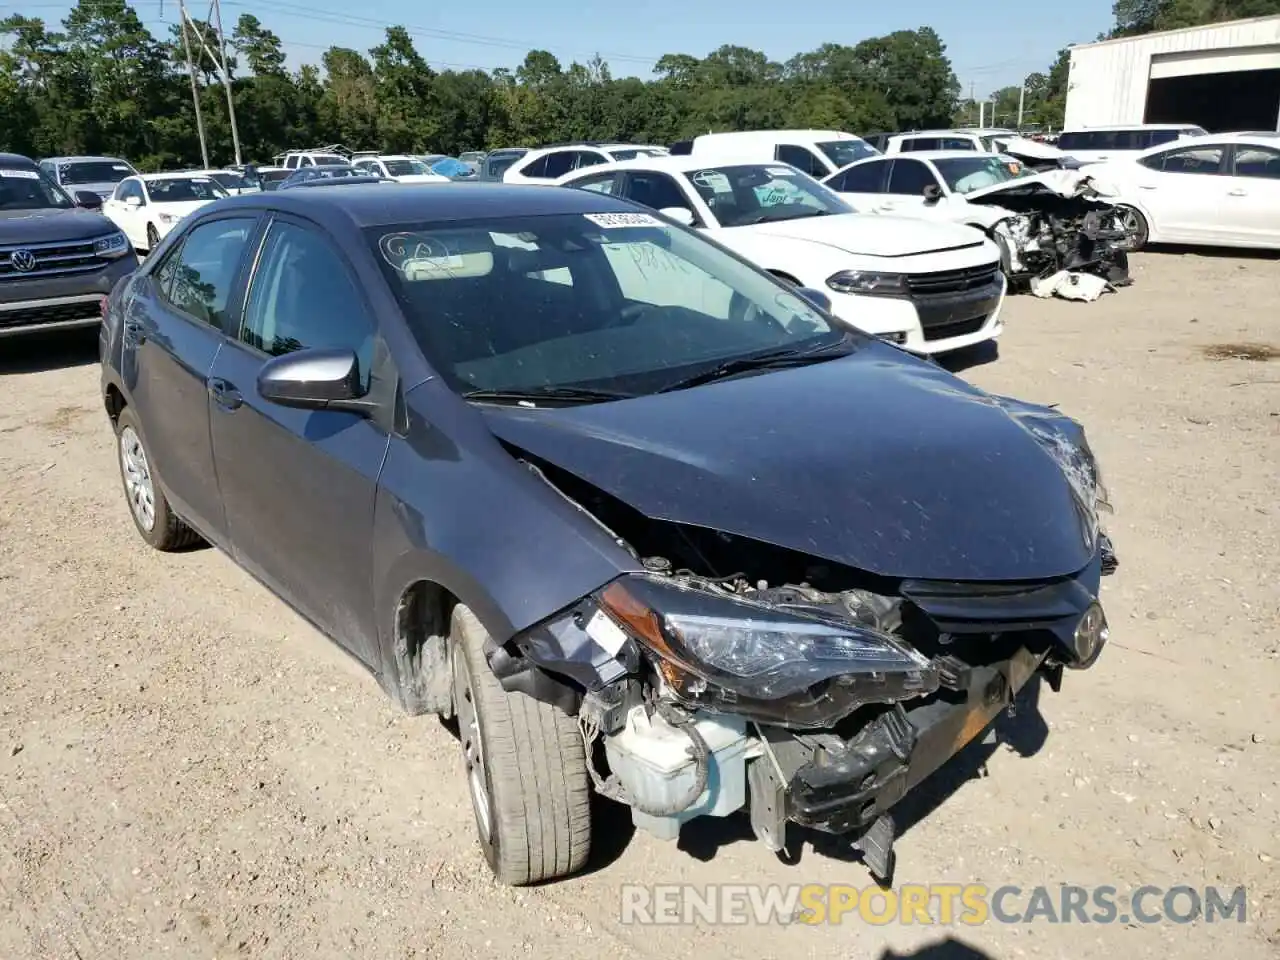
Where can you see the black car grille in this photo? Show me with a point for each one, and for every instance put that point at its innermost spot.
(48, 259)
(957, 328)
(952, 281)
(41, 316)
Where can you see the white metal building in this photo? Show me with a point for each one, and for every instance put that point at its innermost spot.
(1225, 76)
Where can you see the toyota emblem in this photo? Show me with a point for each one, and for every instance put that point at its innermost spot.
(23, 260)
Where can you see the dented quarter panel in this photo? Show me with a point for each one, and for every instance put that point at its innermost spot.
(878, 461)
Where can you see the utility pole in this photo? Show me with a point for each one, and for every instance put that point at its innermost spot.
(972, 99)
(982, 115)
(195, 89)
(1022, 98)
(226, 78)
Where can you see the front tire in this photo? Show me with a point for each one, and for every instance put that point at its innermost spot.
(153, 237)
(526, 769)
(1136, 224)
(152, 515)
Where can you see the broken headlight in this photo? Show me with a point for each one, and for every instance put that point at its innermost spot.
(868, 282)
(765, 663)
(1064, 440)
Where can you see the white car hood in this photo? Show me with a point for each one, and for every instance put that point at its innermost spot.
(1065, 183)
(1022, 147)
(872, 235)
(421, 178)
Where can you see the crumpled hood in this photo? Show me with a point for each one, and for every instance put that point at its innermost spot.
(50, 226)
(1063, 183)
(876, 461)
(871, 235)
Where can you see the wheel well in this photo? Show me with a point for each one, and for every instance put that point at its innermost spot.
(785, 277)
(421, 648)
(114, 401)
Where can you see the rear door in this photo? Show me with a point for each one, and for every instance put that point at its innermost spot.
(299, 485)
(1252, 209)
(172, 334)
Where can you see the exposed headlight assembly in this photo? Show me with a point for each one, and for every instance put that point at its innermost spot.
(111, 246)
(869, 283)
(731, 655)
(167, 218)
(1064, 440)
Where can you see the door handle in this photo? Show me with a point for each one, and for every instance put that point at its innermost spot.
(1238, 193)
(224, 394)
(1146, 186)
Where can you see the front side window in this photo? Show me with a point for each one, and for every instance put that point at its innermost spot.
(588, 158)
(131, 189)
(558, 164)
(966, 174)
(802, 159)
(910, 177)
(633, 304)
(844, 152)
(229, 181)
(598, 182)
(27, 190)
(536, 168)
(1202, 160)
(303, 297)
(183, 189)
(864, 178)
(656, 190)
(745, 194)
(1251, 161)
(198, 276)
(93, 171)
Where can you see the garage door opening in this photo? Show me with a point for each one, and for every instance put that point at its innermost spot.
(1242, 100)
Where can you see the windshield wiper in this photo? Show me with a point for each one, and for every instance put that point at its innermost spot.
(774, 359)
(537, 395)
(768, 215)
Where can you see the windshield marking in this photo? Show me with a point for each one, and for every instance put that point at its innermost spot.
(622, 219)
(20, 174)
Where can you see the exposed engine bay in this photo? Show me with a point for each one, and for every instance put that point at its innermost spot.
(730, 673)
(1060, 223)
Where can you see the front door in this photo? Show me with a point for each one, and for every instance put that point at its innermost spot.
(299, 485)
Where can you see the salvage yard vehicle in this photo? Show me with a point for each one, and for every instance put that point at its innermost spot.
(1219, 190)
(147, 207)
(815, 152)
(1043, 222)
(546, 164)
(93, 174)
(398, 167)
(929, 287)
(58, 257)
(565, 501)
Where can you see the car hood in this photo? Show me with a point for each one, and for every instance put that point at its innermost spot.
(51, 226)
(907, 472)
(871, 235)
(1063, 183)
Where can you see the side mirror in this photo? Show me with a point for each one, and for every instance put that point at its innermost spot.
(815, 297)
(88, 200)
(681, 215)
(932, 193)
(133, 201)
(315, 380)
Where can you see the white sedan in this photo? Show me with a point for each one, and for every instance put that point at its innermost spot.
(147, 207)
(929, 287)
(1218, 190)
(399, 167)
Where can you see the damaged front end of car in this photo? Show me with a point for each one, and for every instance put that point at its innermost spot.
(727, 672)
(1059, 223)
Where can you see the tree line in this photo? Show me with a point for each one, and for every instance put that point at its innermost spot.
(103, 84)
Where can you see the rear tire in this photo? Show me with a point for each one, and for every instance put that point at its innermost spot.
(526, 769)
(150, 510)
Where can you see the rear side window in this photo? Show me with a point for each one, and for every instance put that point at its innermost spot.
(802, 159)
(957, 143)
(1153, 138)
(864, 178)
(197, 278)
(912, 144)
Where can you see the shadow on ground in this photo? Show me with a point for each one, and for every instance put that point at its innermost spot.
(948, 949)
(39, 352)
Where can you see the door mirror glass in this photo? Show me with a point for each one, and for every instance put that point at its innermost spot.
(932, 193)
(815, 297)
(314, 380)
(133, 200)
(88, 200)
(681, 215)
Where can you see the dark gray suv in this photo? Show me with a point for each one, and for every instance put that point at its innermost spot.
(641, 517)
(58, 257)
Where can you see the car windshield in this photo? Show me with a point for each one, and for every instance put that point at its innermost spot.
(844, 152)
(27, 190)
(966, 174)
(755, 193)
(408, 167)
(182, 189)
(497, 166)
(93, 171)
(618, 302)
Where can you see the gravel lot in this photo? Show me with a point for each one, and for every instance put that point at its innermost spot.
(187, 769)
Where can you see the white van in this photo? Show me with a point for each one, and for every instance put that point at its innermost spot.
(1095, 144)
(818, 153)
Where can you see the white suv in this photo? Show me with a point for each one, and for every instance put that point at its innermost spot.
(550, 163)
(1111, 143)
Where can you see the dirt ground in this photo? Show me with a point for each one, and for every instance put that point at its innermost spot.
(187, 769)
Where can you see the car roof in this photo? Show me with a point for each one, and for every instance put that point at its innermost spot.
(1131, 126)
(929, 155)
(87, 157)
(16, 159)
(376, 204)
(681, 163)
(177, 174)
(776, 134)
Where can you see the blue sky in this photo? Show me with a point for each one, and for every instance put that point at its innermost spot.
(991, 44)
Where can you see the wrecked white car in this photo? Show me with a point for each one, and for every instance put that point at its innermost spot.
(1045, 223)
